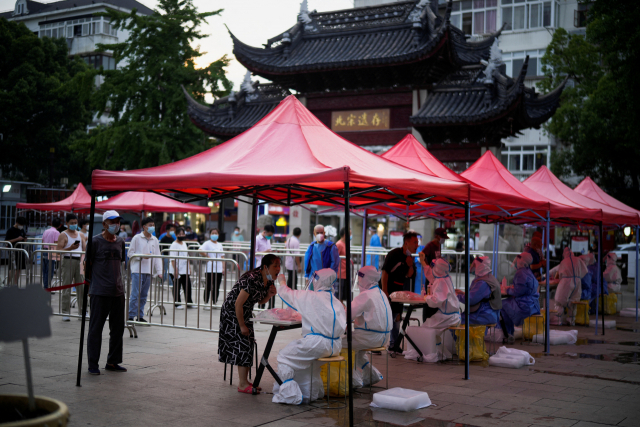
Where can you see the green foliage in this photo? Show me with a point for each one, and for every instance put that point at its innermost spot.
(144, 97)
(598, 115)
(45, 98)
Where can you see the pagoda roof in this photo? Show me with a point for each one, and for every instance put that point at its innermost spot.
(469, 106)
(396, 44)
(234, 114)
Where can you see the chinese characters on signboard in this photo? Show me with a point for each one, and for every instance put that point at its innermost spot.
(359, 120)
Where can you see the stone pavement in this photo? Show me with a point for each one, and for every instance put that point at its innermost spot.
(174, 379)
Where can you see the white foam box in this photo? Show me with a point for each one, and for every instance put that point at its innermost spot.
(608, 324)
(401, 399)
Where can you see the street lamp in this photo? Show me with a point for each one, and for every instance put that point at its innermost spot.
(6, 188)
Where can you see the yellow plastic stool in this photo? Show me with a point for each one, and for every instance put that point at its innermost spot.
(331, 359)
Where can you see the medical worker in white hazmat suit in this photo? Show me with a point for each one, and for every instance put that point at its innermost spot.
(571, 271)
(612, 274)
(373, 322)
(323, 322)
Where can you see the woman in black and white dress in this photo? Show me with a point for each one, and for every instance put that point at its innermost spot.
(235, 343)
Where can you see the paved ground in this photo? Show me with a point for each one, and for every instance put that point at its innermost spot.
(174, 378)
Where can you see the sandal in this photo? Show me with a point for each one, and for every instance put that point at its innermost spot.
(258, 388)
(247, 390)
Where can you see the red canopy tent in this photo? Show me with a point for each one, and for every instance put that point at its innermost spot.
(134, 201)
(591, 190)
(545, 182)
(78, 199)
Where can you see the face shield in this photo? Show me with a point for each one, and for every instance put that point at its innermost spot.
(368, 277)
(523, 260)
(324, 279)
(481, 265)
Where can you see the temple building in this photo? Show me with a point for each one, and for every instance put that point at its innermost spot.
(375, 73)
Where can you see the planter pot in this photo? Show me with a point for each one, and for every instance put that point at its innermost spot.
(49, 412)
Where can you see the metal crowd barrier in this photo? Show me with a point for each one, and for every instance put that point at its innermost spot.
(15, 267)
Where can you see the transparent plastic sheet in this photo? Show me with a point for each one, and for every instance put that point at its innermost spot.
(476, 344)
(406, 295)
(283, 314)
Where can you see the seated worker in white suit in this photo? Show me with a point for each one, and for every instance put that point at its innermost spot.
(373, 322)
(323, 322)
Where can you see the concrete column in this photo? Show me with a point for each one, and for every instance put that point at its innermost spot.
(244, 218)
(425, 228)
(299, 217)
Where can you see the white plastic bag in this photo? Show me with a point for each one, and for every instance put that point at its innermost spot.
(614, 287)
(515, 362)
(527, 359)
(629, 312)
(407, 296)
(558, 337)
(494, 334)
(608, 324)
(401, 399)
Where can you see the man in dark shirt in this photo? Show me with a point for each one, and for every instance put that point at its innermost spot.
(15, 235)
(107, 294)
(431, 252)
(397, 269)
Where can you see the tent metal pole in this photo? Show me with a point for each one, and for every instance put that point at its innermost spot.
(600, 273)
(547, 343)
(364, 238)
(467, 232)
(254, 220)
(221, 220)
(637, 259)
(496, 247)
(85, 296)
(598, 289)
(348, 279)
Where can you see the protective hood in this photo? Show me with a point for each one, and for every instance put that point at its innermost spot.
(588, 258)
(368, 276)
(324, 279)
(481, 265)
(523, 260)
(611, 258)
(566, 253)
(440, 268)
(428, 273)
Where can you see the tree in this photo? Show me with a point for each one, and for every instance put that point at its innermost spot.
(45, 97)
(144, 97)
(598, 115)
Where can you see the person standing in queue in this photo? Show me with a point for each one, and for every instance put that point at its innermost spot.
(166, 239)
(143, 269)
(236, 337)
(72, 242)
(263, 244)
(215, 269)
(180, 270)
(107, 294)
(292, 263)
(432, 251)
(397, 269)
(320, 254)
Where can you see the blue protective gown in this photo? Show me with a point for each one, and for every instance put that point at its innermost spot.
(587, 281)
(374, 243)
(593, 271)
(523, 299)
(484, 315)
(419, 274)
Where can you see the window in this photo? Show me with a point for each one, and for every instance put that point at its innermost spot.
(580, 15)
(97, 61)
(527, 159)
(515, 60)
(526, 14)
(52, 30)
(475, 17)
(7, 216)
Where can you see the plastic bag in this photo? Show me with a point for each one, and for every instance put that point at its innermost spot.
(582, 315)
(406, 295)
(401, 399)
(283, 314)
(608, 324)
(515, 362)
(532, 325)
(476, 343)
(610, 303)
(494, 334)
(629, 312)
(614, 287)
(514, 352)
(338, 369)
(558, 337)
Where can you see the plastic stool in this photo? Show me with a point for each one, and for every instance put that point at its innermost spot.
(493, 343)
(535, 316)
(620, 300)
(328, 405)
(380, 349)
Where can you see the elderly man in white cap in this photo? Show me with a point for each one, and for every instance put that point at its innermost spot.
(523, 297)
(107, 293)
(323, 323)
(373, 322)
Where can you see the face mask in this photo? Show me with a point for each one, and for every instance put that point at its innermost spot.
(350, 237)
(320, 237)
(181, 238)
(151, 230)
(73, 227)
(269, 277)
(214, 237)
(268, 237)
(173, 234)
(236, 232)
(113, 229)
(407, 252)
(20, 227)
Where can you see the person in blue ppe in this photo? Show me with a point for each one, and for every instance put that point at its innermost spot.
(485, 301)
(535, 249)
(322, 253)
(419, 285)
(523, 297)
(375, 242)
(591, 276)
(323, 323)
(372, 324)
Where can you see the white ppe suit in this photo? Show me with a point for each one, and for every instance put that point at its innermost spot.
(571, 270)
(442, 296)
(612, 274)
(323, 323)
(373, 322)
